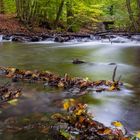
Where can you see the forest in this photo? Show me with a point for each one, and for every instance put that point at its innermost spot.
(71, 15)
(69, 69)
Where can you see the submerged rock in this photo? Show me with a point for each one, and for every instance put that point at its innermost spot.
(77, 61)
(59, 39)
(62, 39)
(18, 39)
(35, 39)
(6, 37)
(45, 36)
(112, 63)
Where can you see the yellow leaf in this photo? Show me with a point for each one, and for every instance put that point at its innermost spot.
(68, 103)
(13, 70)
(107, 131)
(17, 94)
(112, 88)
(117, 124)
(61, 84)
(13, 102)
(34, 75)
(28, 72)
(86, 79)
(48, 72)
(138, 134)
(79, 112)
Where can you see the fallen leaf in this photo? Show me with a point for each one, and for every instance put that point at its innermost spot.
(112, 88)
(65, 134)
(117, 124)
(13, 102)
(61, 84)
(68, 103)
(79, 112)
(86, 79)
(81, 119)
(138, 134)
(107, 131)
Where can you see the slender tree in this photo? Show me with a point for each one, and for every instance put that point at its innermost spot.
(138, 5)
(130, 12)
(2, 10)
(69, 15)
(60, 10)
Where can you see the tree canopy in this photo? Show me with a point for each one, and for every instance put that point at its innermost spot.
(73, 14)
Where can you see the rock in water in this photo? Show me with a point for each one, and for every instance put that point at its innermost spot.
(35, 39)
(59, 39)
(112, 63)
(77, 61)
(18, 39)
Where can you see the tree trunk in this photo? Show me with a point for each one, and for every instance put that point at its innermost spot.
(138, 4)
(69, 16)
(130, 12)
(2, 7)
(59, 12)
(17, 7)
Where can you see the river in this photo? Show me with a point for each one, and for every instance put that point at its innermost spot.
(106, 107)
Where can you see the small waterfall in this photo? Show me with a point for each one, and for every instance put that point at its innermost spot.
(1, 38)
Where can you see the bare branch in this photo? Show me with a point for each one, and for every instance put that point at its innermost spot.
(114, 74)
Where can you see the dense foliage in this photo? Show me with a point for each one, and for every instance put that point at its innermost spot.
(72, 14)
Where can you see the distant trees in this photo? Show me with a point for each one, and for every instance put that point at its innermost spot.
(70, 15)
(2, 10)
(59, 12)
(54, 13)
(27, 10)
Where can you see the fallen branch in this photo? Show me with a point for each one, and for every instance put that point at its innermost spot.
(114, 74)
(65, 82)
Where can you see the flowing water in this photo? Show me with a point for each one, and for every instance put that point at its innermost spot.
(106, 107)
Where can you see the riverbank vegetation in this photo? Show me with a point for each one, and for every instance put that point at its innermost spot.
(67, 15)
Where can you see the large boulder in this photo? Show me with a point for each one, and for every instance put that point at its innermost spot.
(59, 39)
(18, 39)
(62, 39)
(77, 61)
(45, 36)
(6, 37)
(35, 39)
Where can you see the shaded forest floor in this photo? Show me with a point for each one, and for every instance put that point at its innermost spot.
(9, 24)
